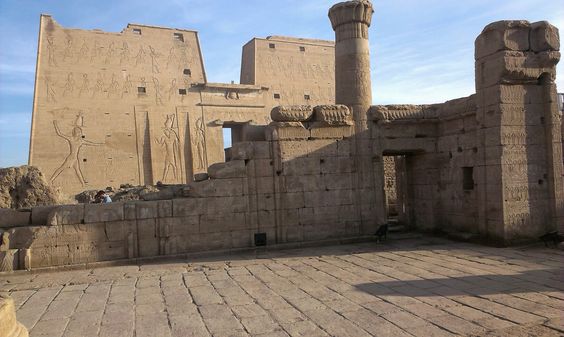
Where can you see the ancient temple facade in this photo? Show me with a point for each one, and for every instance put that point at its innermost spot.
(136, 107)
(489, 164)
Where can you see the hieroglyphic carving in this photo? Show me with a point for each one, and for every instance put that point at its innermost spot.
(124, 54)
(140, 57)
(50, 90)
(184, 56)
(514, 137)
(158, 95)
(200, 142)
(524, 193)
(96, 51)
(110, 53)
(127, 86)
(113, 89)
(51, 51)
(172, 59)
(85, 86)
(172, 90)
(99, 86)
(69, 86)
(154, 60)
(170, 142)
(68, 52)
(83, 53)
(75, 141)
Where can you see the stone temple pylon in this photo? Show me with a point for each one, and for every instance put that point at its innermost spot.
(350, 21)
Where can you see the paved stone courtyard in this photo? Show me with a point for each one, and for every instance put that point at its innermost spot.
(420, 286)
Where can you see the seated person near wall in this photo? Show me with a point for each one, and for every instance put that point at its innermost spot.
(102, 198)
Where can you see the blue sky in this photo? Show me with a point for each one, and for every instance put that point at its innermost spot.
(422, 50)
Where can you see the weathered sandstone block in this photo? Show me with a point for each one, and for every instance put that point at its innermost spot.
(503, 35)
(13, 218)
(286, 131)
(230, 169)
(291, 113)
(217, 188)
(66, 215)
(544, 37)
(103, 212)
(332, 115)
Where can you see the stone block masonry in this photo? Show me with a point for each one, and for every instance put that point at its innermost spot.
(489, 164)
(294, 189)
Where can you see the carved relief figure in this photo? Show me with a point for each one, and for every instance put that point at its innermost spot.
(154, 60)
(69, 85)
(83, 53)
(124, 55)
(85, 86)
(110, 53)
(127, 86)
(172, 58)
(231, 94)
(173, 89)
(99, 86)
(68, 53)
(140, 57)
(200, 143)
(50, 89)
(184, 57)
(158, 95)
(169, 141)
(51, 51)
(114, 86)
(96, 51)
(75, 141)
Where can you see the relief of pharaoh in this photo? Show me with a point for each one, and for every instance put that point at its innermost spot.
(75, 140)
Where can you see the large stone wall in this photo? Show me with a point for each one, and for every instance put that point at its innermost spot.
(295, 186)
(135, 107)
(102, 101)
(489, 164)
(297, 71)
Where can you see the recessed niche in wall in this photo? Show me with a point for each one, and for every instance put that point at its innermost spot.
(468, 178)
(178, 37)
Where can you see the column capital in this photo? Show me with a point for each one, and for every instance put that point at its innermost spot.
(356, 11)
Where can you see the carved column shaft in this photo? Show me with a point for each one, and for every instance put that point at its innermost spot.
(350, 21)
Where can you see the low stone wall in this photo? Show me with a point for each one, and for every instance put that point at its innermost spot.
(297, 186)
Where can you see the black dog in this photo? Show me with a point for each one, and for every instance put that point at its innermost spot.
(552, 237)
(382, 232)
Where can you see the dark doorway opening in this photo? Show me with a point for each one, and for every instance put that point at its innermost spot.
(395, 190)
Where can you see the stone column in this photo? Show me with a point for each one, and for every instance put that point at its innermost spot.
(520, 174)
(350, 21)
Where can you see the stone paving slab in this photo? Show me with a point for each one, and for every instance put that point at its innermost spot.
(415, 287)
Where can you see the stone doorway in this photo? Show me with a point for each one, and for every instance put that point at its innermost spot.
(396, 191)
(232, 133)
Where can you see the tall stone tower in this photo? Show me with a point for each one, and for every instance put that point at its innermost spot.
(520, 130)
(350, 21)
